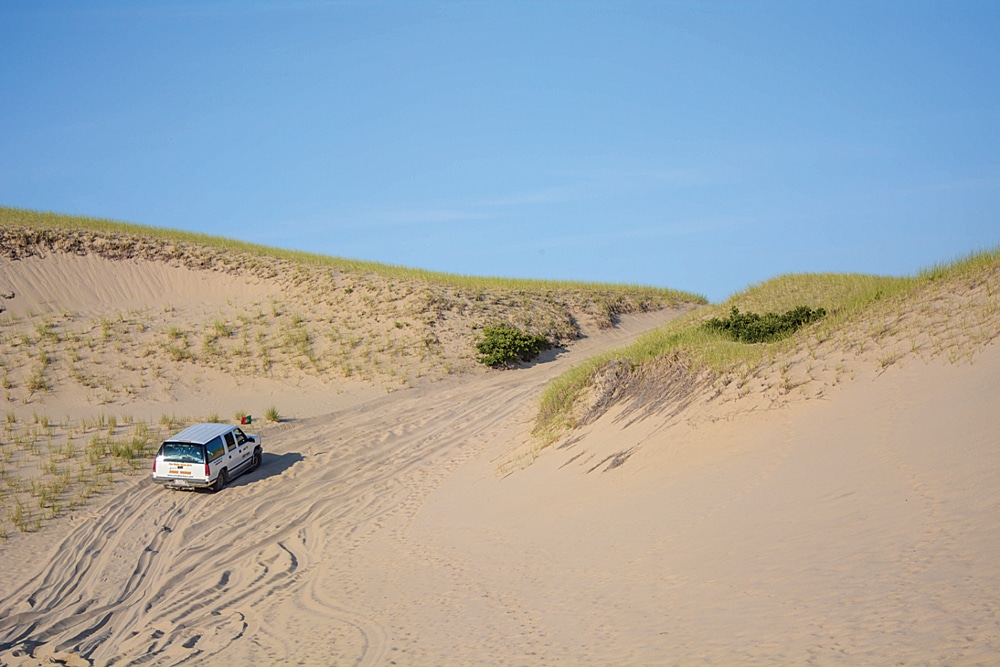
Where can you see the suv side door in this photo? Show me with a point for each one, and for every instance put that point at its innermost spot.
(239, 446)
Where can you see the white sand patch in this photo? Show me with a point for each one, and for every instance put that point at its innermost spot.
(92, 285)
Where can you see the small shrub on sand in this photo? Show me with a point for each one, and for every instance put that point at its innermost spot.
(271, 414)
(754, 328)
(503, 345)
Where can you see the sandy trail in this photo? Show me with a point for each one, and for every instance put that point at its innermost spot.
(277, 568)
(861, 529)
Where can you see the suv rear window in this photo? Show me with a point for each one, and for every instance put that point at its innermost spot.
(183, 452)
(215, 448)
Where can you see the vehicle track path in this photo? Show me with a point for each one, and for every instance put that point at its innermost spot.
(157, 577)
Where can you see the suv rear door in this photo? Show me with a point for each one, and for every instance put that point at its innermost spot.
(182, 462)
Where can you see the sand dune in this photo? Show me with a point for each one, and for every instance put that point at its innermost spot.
(216, 332)
(278, 548)
(93, 285)
(859, 529)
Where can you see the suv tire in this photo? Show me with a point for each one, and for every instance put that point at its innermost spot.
(221, 481)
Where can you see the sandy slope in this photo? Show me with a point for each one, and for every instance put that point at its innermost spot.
(92, 285)
(862, 529)
(857, 529)
(148, 338)
(240, 576)
(72, 288)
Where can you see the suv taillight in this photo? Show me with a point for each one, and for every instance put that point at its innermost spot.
(154, 464)
(208, 473)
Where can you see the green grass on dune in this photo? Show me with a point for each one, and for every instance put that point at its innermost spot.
(14, 217)
(856, 304)
(334, 317)
(850, 300)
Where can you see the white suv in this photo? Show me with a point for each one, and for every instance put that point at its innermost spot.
(206, 456)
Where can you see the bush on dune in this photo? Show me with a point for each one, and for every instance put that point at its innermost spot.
(754, 328)
(503, 345)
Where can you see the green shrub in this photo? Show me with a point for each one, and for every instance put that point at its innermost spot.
(754, 328)
(502, 345)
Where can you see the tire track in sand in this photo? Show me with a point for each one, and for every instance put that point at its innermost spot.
(163, 578)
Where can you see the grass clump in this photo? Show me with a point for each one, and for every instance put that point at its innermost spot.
(37, 381)
(502, 345)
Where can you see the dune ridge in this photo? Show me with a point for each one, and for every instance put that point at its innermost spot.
(135, 306)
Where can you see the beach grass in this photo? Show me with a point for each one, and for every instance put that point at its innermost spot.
(328, 318)
(16, 217)
(50, 467)
(864, 312)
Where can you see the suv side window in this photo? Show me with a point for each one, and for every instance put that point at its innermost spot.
(214, 449)
(240, 438)
(230, 441)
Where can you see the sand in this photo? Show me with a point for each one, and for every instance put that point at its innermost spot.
(859, 528)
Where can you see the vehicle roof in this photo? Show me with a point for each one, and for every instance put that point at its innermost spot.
(200, 433)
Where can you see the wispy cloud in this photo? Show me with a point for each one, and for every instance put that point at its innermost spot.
(595, 184)
(665, 230)
(424, 216)
(578, 187)
(542, 196)
(677, 177)
(452, 212)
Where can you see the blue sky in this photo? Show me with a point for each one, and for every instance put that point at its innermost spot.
(699, 146)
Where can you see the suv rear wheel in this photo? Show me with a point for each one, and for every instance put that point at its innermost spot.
(221, 481)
